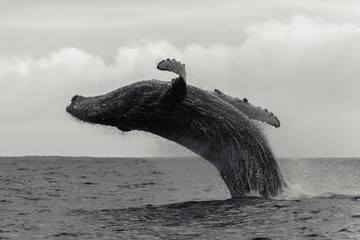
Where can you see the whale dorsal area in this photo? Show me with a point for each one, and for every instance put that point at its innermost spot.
(253, 112)
(178, 93)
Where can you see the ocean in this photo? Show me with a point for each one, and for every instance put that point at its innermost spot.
(172, 198)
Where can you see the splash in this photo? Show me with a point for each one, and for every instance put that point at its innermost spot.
(293, 191)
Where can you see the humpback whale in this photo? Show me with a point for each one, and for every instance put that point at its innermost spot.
(217, 127)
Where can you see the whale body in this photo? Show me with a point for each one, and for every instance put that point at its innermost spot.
(209, 123)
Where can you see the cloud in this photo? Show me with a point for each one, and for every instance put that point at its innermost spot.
(304, 70)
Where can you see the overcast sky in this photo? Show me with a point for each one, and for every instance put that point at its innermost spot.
(299, 59)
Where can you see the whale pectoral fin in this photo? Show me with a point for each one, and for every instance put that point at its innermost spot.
(176, 92)
(253, 112)
(172, 66)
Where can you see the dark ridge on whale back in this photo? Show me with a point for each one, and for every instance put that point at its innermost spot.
(211, 124)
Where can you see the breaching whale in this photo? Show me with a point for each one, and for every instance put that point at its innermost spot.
(213, 125)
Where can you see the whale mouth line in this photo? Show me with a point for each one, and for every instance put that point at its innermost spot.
(124, 128)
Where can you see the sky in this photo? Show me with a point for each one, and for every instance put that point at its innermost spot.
(299, 59)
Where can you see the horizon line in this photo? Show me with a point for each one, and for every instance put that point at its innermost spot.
(178, 156)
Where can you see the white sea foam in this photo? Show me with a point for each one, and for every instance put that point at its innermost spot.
(293, 191)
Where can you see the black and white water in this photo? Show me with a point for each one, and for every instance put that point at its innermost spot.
(172, 198)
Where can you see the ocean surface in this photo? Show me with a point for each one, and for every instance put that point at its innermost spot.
(172, 198)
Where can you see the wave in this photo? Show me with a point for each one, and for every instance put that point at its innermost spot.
(297, 192)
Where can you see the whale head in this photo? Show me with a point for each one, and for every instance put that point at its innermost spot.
(127, 108)
(133, 107)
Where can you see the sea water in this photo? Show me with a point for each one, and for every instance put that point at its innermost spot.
(172, 198)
